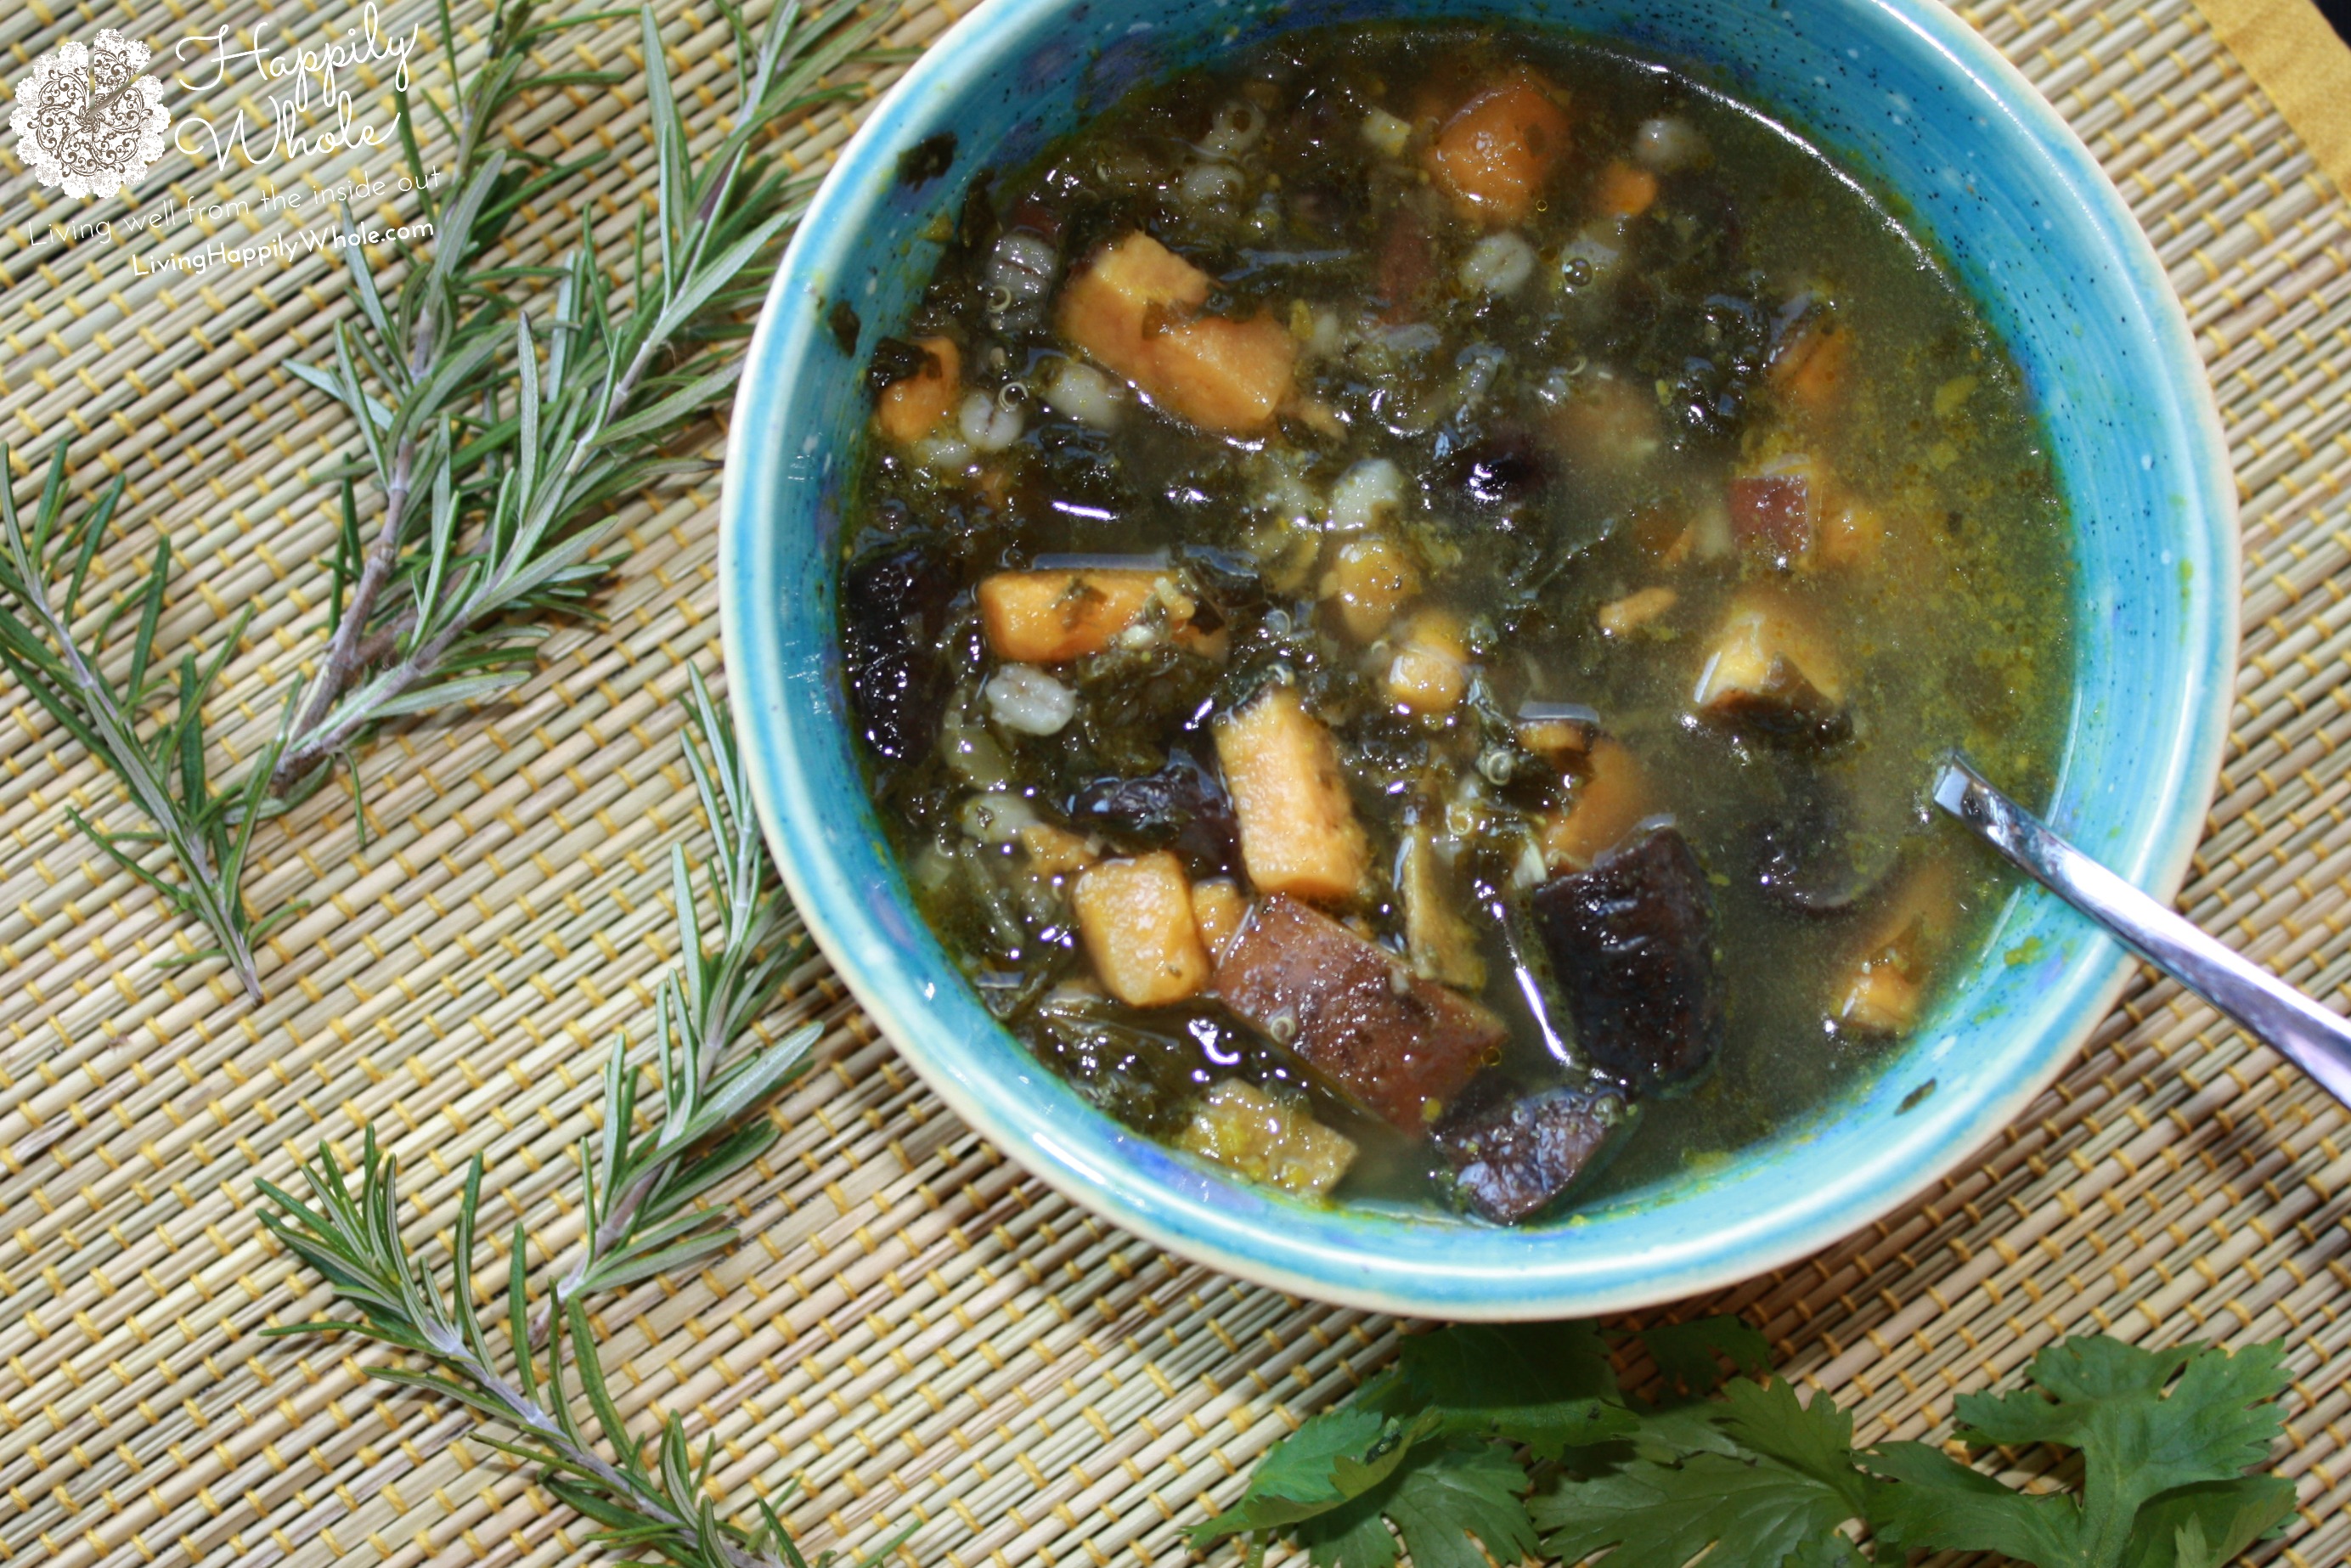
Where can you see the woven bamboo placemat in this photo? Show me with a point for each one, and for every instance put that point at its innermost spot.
(917, 1333)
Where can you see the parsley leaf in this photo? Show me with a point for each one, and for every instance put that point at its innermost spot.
(1427, 1449)
(1685, 1353)
(1769, 1484)
(1546, 1385)
(2143, 1438)
(1298, 1479)
(1448, 1494)
(1754, 1513)
(1430, 1458)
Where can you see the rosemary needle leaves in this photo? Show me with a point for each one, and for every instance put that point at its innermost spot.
(499, 434)
(503, 411)
(43, 570)
(641, 1219)
(650, 1500)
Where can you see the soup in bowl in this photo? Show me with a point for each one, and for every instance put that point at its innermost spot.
(1342, 635)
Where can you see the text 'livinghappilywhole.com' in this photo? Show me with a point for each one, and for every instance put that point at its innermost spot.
(278, 249)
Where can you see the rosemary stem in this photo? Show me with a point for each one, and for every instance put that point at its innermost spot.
(526, 1415)
(618, 1216)
(620, 1211)
(381, 643)
(347, 652)
(308, 750)
(343, 655)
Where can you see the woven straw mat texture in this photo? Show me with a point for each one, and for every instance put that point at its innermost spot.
(915, 1332)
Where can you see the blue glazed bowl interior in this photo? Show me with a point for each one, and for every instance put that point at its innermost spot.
(1897, 92)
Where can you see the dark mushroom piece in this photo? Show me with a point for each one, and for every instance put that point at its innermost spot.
(1397, 1045)
(1816, 859)
(1513, 1154)
(1631, 945)
(1769, 674)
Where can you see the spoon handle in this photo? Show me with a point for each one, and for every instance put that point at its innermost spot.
(2315, 1039)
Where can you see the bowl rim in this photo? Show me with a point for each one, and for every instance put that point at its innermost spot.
(2188, 773)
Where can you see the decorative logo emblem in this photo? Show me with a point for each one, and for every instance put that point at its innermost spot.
(87, 119)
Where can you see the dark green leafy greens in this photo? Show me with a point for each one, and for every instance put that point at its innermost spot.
(1513, 1441)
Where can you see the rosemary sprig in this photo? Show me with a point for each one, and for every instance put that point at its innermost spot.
(522, 433)
(499, 438)
(425, 354)
(206, 834)
(642, 1219)
(650, 1499)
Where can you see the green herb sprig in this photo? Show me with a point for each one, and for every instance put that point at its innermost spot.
(650, 1499)
(503, 411)
(498, 434)
(642, 1219)
(1511, 1441)
(205, 833)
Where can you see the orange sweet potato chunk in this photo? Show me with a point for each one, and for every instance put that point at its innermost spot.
(1499, 151)
(1052, 617)
(1134, 309)
(1129, 290)
(1613, 796)
(1218, 907)
(911, 409)
(1298, 832)
(1810, 370)
(1135, 917)
(1626, 190)
(1430, 670)
(1222, 375)
(1886, 986)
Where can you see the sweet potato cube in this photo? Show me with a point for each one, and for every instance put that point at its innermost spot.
(1055, 852)
(1400, 1045)
(1498, 151)
(1131, 288)
(1135, 917)
(1612, 796)
(1853, 533)
(1223, 375)
(1624, 191)
(1878, 999)
(1767, 668)
(1809, 372)
(1430, 670)
(1886, 986)
(1241, 1127)
(1371, 579)
(1052, 617)
(1556, 730)
(911, 409)
(1298, 832)
(1134, 309)
(1218, 907)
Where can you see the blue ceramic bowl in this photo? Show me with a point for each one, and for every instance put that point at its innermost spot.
(1899, 92)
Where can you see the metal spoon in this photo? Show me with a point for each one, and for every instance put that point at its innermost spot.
(2314, 1039)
